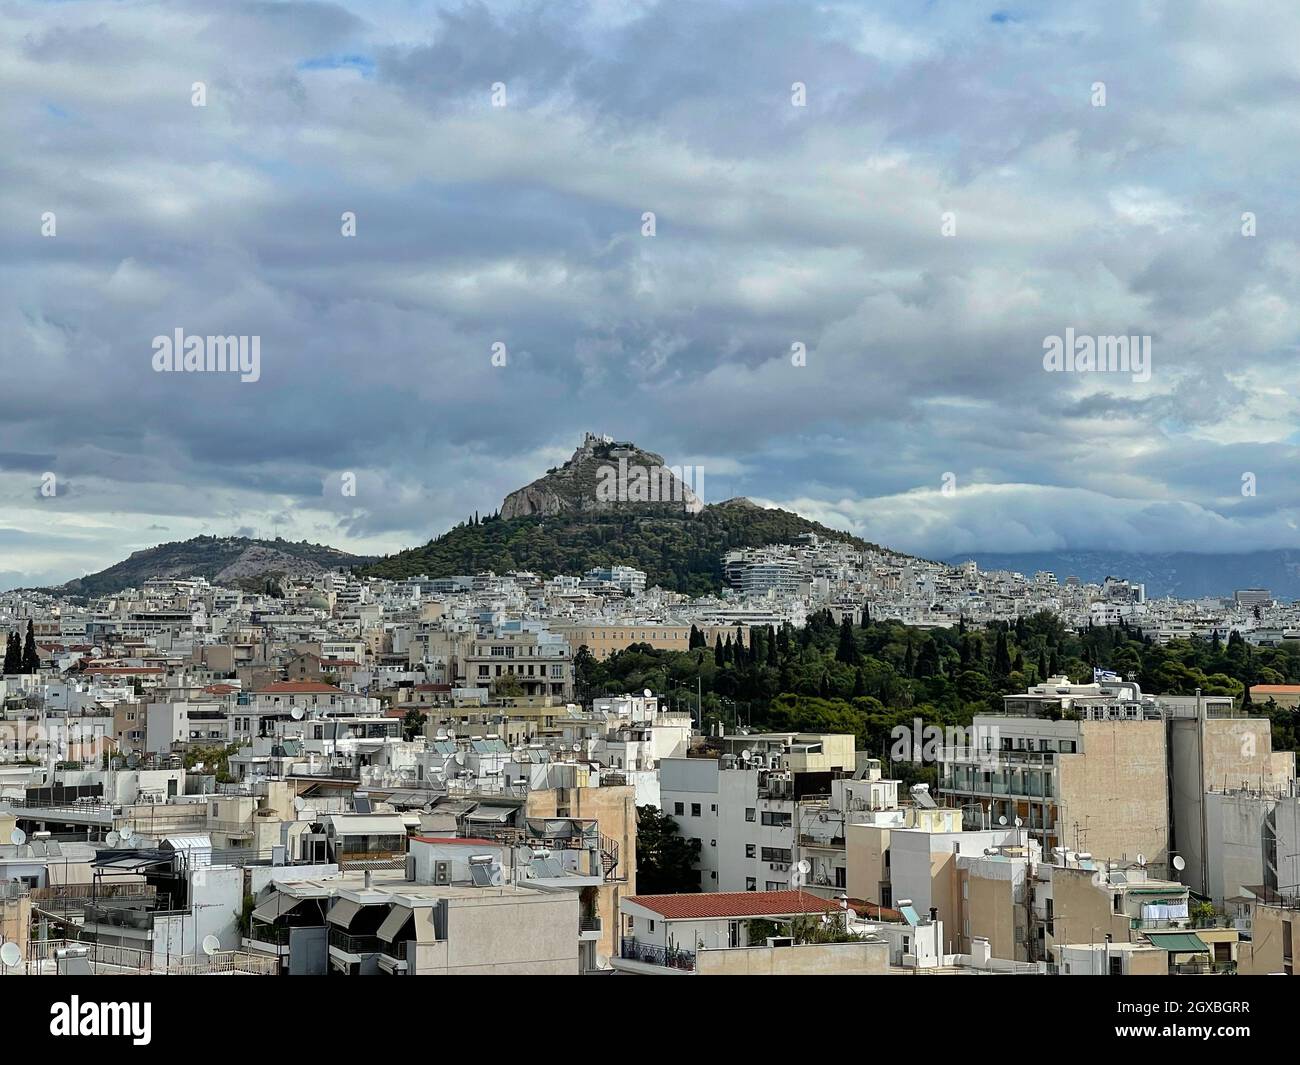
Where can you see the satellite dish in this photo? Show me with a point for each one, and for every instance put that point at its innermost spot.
(1002, 820)
(577, 747)
(804, 866)
(113, 839)
(451, 735)
(126, 834)
(17, 837)
(1018, 822)
(298, 803)
(296, 713)
(602, 962)
(1142, 860)
(10, 955)
(647, 693)
(211, 944)
(1180, 863)
(797, 879)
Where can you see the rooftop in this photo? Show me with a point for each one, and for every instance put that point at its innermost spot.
(734, 904)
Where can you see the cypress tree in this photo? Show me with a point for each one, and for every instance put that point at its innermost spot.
(31, 662)
(847, 651)
(13, 655)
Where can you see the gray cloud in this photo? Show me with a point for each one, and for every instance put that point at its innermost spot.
(775, 225)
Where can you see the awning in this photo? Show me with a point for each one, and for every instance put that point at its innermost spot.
(425, 932)
(494, 815)
(1178, 942)
(274, 907)
(342, 912)
(393, 923)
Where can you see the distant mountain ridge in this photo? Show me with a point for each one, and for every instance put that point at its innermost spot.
(1184, 574)
(230, 560)
(566, 522)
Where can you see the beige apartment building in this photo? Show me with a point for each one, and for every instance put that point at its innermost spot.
(604, 640)
(1099, 786)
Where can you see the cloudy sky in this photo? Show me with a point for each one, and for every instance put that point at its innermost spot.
(949, 195)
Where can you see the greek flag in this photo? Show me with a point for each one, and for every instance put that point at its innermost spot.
(1104, 674)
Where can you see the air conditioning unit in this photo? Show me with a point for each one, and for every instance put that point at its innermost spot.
(442, 873)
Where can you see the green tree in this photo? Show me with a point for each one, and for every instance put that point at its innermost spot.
(31, 661)
(413, 723)
(13, 655)
(665, 859)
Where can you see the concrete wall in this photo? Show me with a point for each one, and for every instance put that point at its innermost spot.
(813, 959)
(1262, 956)
(865, 850)
(1115, 792)
(504, 934)
(989, 910)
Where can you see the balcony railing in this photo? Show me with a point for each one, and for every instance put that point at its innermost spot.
(650, 954)
(590, 924)
(351, 944)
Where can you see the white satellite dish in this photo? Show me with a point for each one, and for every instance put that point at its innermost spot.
(211, 944)
(10, 955)
(296, 713)
(577, 747)
(804, 866)
(451, 735)
(647, 693)
(299, 803)
(1018, 822)
(126, 834)
(602, 962)
(113, 839)
(1180, 863)
(1002, 820)
(17, 837)
(1142, 859)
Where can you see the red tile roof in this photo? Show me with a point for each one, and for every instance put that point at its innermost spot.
(1281, 689)
(734, 904)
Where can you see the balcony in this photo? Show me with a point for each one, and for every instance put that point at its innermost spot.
(650, 954)
(589, 928)
(356, 946)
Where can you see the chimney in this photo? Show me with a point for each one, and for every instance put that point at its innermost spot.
(367, 879)
(934, 914)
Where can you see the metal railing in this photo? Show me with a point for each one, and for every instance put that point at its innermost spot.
(651, 954)
(137, 962)
(351, 944)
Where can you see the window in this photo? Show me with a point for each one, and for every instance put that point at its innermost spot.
(749, 813)
(652, 926)
(713, 808)
(679, 808)
(777, 854)
(751, 850)
(751, 884)
(695, 809)
(776, 819)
